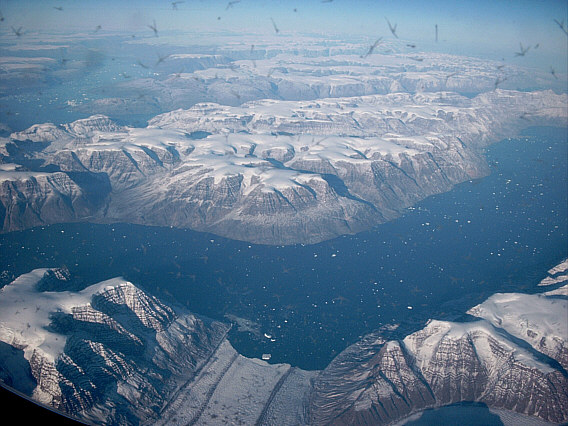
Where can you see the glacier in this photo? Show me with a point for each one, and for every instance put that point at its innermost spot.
(112, 353)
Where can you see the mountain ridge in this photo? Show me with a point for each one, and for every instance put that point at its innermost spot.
(112, 353)
(270, 172)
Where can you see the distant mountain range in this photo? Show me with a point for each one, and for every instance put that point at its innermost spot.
(271, 172)
(111, 353)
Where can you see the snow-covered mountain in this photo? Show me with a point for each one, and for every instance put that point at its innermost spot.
(511, 358)
(106, 353)
(268, 171)
(541, 321)
(111, 353)
(297, 72)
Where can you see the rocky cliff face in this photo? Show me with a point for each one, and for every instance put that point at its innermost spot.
(379, 382)
(112, 354)
(270, 172)
(108, 353)
(30, 199)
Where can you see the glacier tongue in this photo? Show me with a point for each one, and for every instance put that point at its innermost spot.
(111, 353)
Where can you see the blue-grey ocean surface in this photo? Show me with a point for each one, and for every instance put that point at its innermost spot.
(457, 414)
(305, 304)
(470, 414)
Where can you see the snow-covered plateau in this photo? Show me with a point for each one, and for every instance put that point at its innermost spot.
(511, 357)
(267, 171)
(110, 353)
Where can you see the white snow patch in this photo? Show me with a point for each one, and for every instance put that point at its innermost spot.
(531, 317)
(25, 312)
(480, 332)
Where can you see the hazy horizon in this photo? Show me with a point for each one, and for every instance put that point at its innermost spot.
(489, 29)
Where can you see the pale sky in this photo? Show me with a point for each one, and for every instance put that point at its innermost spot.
(486, 28)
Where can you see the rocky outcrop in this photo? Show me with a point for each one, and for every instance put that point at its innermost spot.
(379, 382)
(107, 353)
(29, 199)
(271, 172)
(110, 353)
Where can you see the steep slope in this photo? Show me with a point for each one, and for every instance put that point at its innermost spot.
(270, 172)
(380, 382)
(107, 353)
(111, 354)
(30, 199)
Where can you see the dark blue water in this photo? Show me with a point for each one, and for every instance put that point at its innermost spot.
(497, 234)
(458, 414)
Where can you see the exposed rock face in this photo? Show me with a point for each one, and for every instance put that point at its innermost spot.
(112, 354)
(30, 199)
(369, 383)
(108, 353)
(380, 382)
(271, 172)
